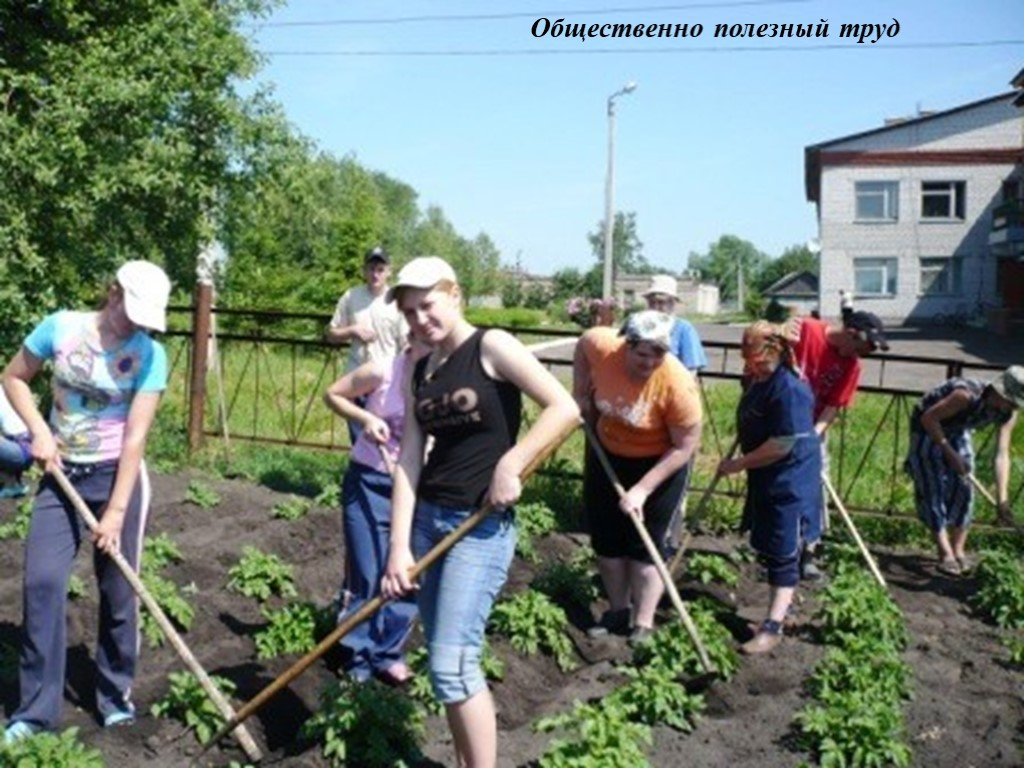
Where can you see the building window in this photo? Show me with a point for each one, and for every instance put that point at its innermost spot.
(943, 200)
(877, 200)
(941, 276)
(874, 277)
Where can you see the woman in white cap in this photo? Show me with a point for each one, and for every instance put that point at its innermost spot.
(108, 376)
(467, 396)
(647, 414)
(940, 456)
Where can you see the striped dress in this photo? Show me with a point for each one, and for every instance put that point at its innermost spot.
(942, 497)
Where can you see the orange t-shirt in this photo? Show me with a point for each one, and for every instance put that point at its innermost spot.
(634, 416)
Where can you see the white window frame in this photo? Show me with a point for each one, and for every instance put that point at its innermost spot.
(888, 266)
(889, 191)
(956, 194)
(950, 271)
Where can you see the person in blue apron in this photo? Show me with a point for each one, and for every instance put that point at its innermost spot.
(782, 459)
(940, 456)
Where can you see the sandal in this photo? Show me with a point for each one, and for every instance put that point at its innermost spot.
(950, 567)
(966, 564)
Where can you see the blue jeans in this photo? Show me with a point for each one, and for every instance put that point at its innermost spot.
(457, 593)
(15, 454)
(376, 644)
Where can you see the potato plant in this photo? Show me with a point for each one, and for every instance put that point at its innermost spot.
(202, 495)
(296, 628)
(671, 648)
(76, 587)
(532, 520)
(707, 568)
(1000, 595)
(419, 687)
(50, 750)
(569, 583)
(292, 508)
(261, 575)
(188, 703)
(604, 737)
(159, 552)
(654, 696)
(17, 528)
(531, 622)
(367, 724)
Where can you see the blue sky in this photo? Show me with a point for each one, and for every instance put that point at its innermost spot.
(710, 143)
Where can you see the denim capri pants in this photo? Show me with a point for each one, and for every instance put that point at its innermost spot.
(457, 593)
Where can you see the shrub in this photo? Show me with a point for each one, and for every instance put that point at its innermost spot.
(367, 724)
(189, 704)
(604, 738)
(532, 622)
(50, 750)
(507, 317)
(261, 575)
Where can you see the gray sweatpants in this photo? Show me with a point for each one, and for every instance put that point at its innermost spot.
(53, 540)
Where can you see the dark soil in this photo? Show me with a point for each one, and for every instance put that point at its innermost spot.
(967, 709)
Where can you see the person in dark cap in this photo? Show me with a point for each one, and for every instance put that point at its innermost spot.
(373, 328)
(940, 456)
(828, 357)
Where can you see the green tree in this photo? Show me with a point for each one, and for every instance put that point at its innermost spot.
(119, 127)
(719, 265)
(796, 258)
(627, 250)
(477, 262)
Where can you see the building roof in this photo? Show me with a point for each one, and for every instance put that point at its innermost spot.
(812, 153)
(794, 285)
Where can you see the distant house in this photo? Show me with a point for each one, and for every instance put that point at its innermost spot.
(795, 290)
(924, 215)
(693, 297)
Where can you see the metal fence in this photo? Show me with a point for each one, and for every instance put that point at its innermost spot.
(268, 372)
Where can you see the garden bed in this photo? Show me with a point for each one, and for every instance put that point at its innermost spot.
(966, 709)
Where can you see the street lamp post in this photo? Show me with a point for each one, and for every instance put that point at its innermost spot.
(609, 191)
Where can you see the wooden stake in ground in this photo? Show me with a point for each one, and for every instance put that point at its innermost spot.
(240, 733)
(677, 558)
(370, 607)
(853, 530)
(652, 551)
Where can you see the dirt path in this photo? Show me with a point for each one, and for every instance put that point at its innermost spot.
(967, 709)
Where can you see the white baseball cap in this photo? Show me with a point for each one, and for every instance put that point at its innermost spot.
(146, 290)
(422, 272)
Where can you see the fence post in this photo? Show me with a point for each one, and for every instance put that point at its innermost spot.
(200, 350)
(954, 369)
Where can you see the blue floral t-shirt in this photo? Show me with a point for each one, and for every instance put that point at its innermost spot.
(92, 387)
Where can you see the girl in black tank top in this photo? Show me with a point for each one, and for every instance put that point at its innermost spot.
(467, 397)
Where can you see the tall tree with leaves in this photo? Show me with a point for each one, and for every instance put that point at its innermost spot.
(796, 258)
(721, 263)
(119, 124)
(627, 250)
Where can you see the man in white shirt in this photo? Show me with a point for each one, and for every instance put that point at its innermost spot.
(374, 329)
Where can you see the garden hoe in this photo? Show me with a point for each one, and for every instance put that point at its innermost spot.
(973, 479)
(240, 733)
(370, 607)
(853, 530)
(677, 558)
(655, 556)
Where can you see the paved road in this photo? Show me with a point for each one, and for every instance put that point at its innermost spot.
(970, 346)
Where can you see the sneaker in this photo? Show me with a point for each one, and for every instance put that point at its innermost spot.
(18, 730)
(639, 636)
(13, 491)
(768, 637)
(611, 623)
(120, 717)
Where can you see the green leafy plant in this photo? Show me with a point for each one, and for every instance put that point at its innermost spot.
(853, 605)
(532, 520)
(329, 496)
(604, 737)
(367, 724)
(292, 508)
(159, 552)
(50, 750)
(260, 575)
(865, 665)
(188, 703)
(1015, 645)
(76, 587)
(671, 648)
(532, 622)
(170, 599)
(18, 527)
(568, 582)
(202, 495)
(1000, 594)
(295, 628)
(654, 696)
(706, 568)
(855, 730)
(420, 689)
